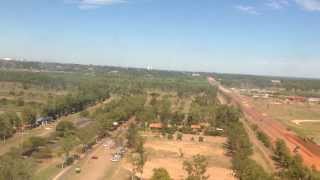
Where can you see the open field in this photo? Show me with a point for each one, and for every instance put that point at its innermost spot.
(165, 153)
(276, 130)
(300, 117)
(14, 96)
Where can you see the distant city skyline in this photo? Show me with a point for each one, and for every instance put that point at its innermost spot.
(265, 37)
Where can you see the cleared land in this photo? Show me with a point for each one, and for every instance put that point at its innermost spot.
(302, 118)
(309, 151)
(166, 153)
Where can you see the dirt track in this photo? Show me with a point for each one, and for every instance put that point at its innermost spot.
(310, 152)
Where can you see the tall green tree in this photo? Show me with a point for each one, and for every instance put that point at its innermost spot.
(160, 174)
(196, 168)
(14, 167)
(29, 116)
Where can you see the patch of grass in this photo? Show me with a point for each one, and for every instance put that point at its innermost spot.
(47, 173)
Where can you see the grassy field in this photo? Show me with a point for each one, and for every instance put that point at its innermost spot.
(287, 113)
(15, 96)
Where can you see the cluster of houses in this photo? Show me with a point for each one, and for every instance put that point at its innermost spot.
(159, 126)
(266, 94)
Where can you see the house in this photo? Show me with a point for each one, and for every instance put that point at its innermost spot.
(155, 126)
(296, 98)
(195, 126)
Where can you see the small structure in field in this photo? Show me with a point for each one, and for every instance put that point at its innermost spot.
(296, 98)
(276, 82)
(155, 126)
(314, 100)
(196, 127)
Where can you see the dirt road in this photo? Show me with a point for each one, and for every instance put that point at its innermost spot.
(100, 168)
(309, 152)
(90, 168)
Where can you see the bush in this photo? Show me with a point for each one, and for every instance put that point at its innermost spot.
(254, 127)
(170, 136)
(84, 113)
(201, 139)
(43, 153)
(160, 174)
(263, 138)
(187, 130)
(65, 127)
(179, 136)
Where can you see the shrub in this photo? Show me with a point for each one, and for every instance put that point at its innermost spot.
(179, 136)
(201, 139)
(160, 174)
(170, 136)
(84, 113)
(43, 153)
(263, 138)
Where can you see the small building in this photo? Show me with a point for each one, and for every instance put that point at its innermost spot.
(314, 100)
(296, 98)
(276, 82)
(155, 126)
(195, 126)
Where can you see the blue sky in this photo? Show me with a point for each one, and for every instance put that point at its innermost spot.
(271, 37)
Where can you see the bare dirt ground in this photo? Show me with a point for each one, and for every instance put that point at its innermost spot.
(309, 152)
(166, 153)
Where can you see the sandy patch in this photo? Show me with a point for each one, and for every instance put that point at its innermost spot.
(165, 153)
(298, 122)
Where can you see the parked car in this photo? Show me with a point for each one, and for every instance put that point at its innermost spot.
(94, 157)
(116, 158)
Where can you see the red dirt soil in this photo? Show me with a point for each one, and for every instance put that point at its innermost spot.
(309, 151)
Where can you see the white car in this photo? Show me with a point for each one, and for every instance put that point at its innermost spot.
(116, 158)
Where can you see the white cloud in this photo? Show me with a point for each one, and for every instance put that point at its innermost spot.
(247, 9)
(277, 4)
(309, 5)
(92, 4)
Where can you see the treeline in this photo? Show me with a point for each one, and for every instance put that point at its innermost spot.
(117, 111)
(239, 145)
(75, 102)
(252, 81)
(292, 167)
